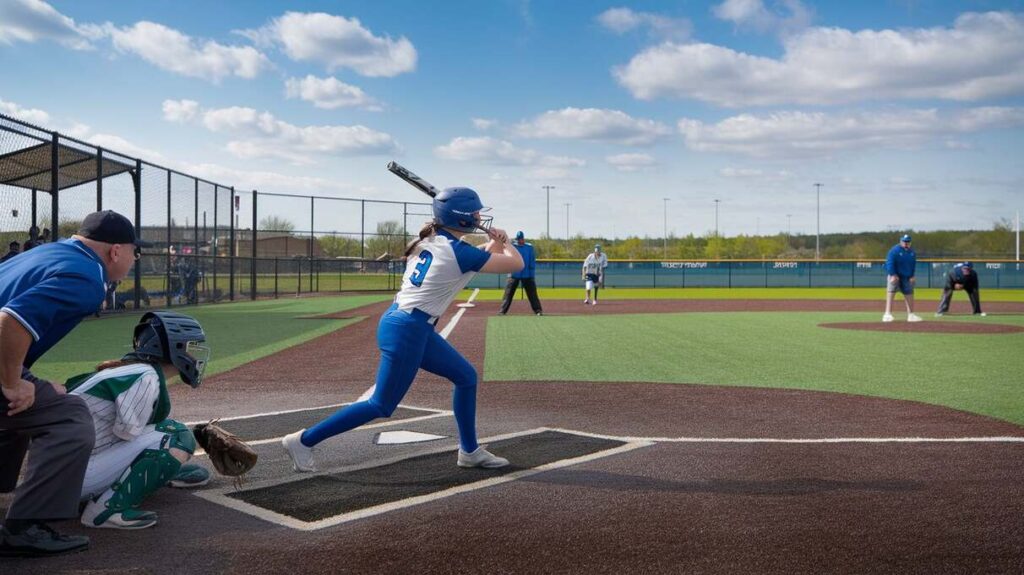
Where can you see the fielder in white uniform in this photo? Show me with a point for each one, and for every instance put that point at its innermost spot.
(138, 448)
(593, 272)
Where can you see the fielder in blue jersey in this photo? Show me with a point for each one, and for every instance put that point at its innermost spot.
(900, 266)
(439, 265)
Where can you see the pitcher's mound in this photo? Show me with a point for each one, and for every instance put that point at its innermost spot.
(927, 327)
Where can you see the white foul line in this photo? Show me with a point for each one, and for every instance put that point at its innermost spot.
(980, 439)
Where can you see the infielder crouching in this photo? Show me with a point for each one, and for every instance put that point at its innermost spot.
(138, 448)
(962, 276)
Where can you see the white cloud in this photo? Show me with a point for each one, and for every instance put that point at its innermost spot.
(30, 115)
(181, 111)
(337, 42)
(500, 152)
(34, 20)
(259, 135)
(631, 162)
(788, 15)
(593, 124)
(980, 57)
(623, 20)
(755, 174)
(810, 134)
(123, 146)
(171, 50)
(328, 93)
(264, 180)
(484, 124)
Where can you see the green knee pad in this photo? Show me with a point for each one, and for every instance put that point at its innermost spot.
(179, 435)
(151, 470)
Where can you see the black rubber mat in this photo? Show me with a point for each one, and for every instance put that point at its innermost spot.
(324, 496)
(279, 425)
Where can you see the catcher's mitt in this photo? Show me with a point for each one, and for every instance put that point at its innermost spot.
(230, 455)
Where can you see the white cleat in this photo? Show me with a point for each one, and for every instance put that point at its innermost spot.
(586, 301)
(914, 318)
(481, 458)
(301, 456)
(887, 318)
(983, 314)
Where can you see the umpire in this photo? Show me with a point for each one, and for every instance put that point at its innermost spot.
(962, 276)
(44, 294)
(524, 275)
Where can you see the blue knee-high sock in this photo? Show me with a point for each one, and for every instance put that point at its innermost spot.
(349, 417)
(464, 405)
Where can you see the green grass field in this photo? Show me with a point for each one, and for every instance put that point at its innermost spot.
(237, 333)
(978, 373)
(924, 294)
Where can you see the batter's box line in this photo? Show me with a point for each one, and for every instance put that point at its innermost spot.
(219, 496)
(433, 414)
(629, 438)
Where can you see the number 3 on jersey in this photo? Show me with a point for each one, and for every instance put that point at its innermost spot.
(422, 266)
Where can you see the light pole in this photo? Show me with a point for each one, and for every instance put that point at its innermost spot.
(716, 217)
(664, 240)
(567, 223)
(817, 235)
(789, 225)
(548, 190)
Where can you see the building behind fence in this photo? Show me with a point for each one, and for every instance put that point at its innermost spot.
(211, 242)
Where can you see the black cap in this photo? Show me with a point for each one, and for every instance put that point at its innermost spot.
(110, 227)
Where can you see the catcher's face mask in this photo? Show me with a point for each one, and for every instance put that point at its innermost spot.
(199, 354)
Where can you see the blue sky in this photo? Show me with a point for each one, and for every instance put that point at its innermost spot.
(910, 113)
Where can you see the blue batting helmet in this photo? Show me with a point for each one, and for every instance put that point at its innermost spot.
(455, 208)
(967, 265)
(905, 238)
(520, 235)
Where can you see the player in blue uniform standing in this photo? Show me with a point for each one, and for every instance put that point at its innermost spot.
(525, 275)
(439, 265)
(900, 266)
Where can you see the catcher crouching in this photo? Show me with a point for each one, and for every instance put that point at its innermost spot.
(138, 447)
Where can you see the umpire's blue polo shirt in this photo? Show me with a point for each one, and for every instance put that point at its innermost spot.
(50, 289)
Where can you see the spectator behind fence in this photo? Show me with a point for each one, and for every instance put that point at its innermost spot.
(44, 294)
(33, 239)
(14, 248)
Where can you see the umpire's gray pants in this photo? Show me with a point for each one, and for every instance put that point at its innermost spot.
(58, 434)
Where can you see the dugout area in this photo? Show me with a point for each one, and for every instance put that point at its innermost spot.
(608, 476)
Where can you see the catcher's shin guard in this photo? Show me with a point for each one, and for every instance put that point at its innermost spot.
(152, 469)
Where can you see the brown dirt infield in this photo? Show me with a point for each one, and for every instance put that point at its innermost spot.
(674, 507)
(927, 327)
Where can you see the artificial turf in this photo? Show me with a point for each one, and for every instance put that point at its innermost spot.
(978, 373)
(236, 333)
(877, 294)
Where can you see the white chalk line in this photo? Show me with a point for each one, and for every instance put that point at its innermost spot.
(218, 495)
(629, 438)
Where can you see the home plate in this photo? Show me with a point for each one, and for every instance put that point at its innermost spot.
(399, 437)
(467, 304)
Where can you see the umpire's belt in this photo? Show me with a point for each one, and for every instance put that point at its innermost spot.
(421, 315)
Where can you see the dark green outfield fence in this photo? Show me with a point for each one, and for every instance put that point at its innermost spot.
(770, 273)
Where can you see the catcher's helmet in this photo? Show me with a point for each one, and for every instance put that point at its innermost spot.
(455, 208)
(164, 336)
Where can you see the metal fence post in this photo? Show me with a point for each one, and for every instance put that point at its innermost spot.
(275, 277)
(167, 273)
(252, 265)
(216, 194)
(99, 179)
(312, 210)
(195, 222)
(231, 246)
(137, 183)
(54, 188)
(362, 229)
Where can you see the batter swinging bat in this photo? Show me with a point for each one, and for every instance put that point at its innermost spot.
(427, 188)
(416, 181)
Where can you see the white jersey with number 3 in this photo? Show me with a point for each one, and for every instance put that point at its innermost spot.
(437, 270)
